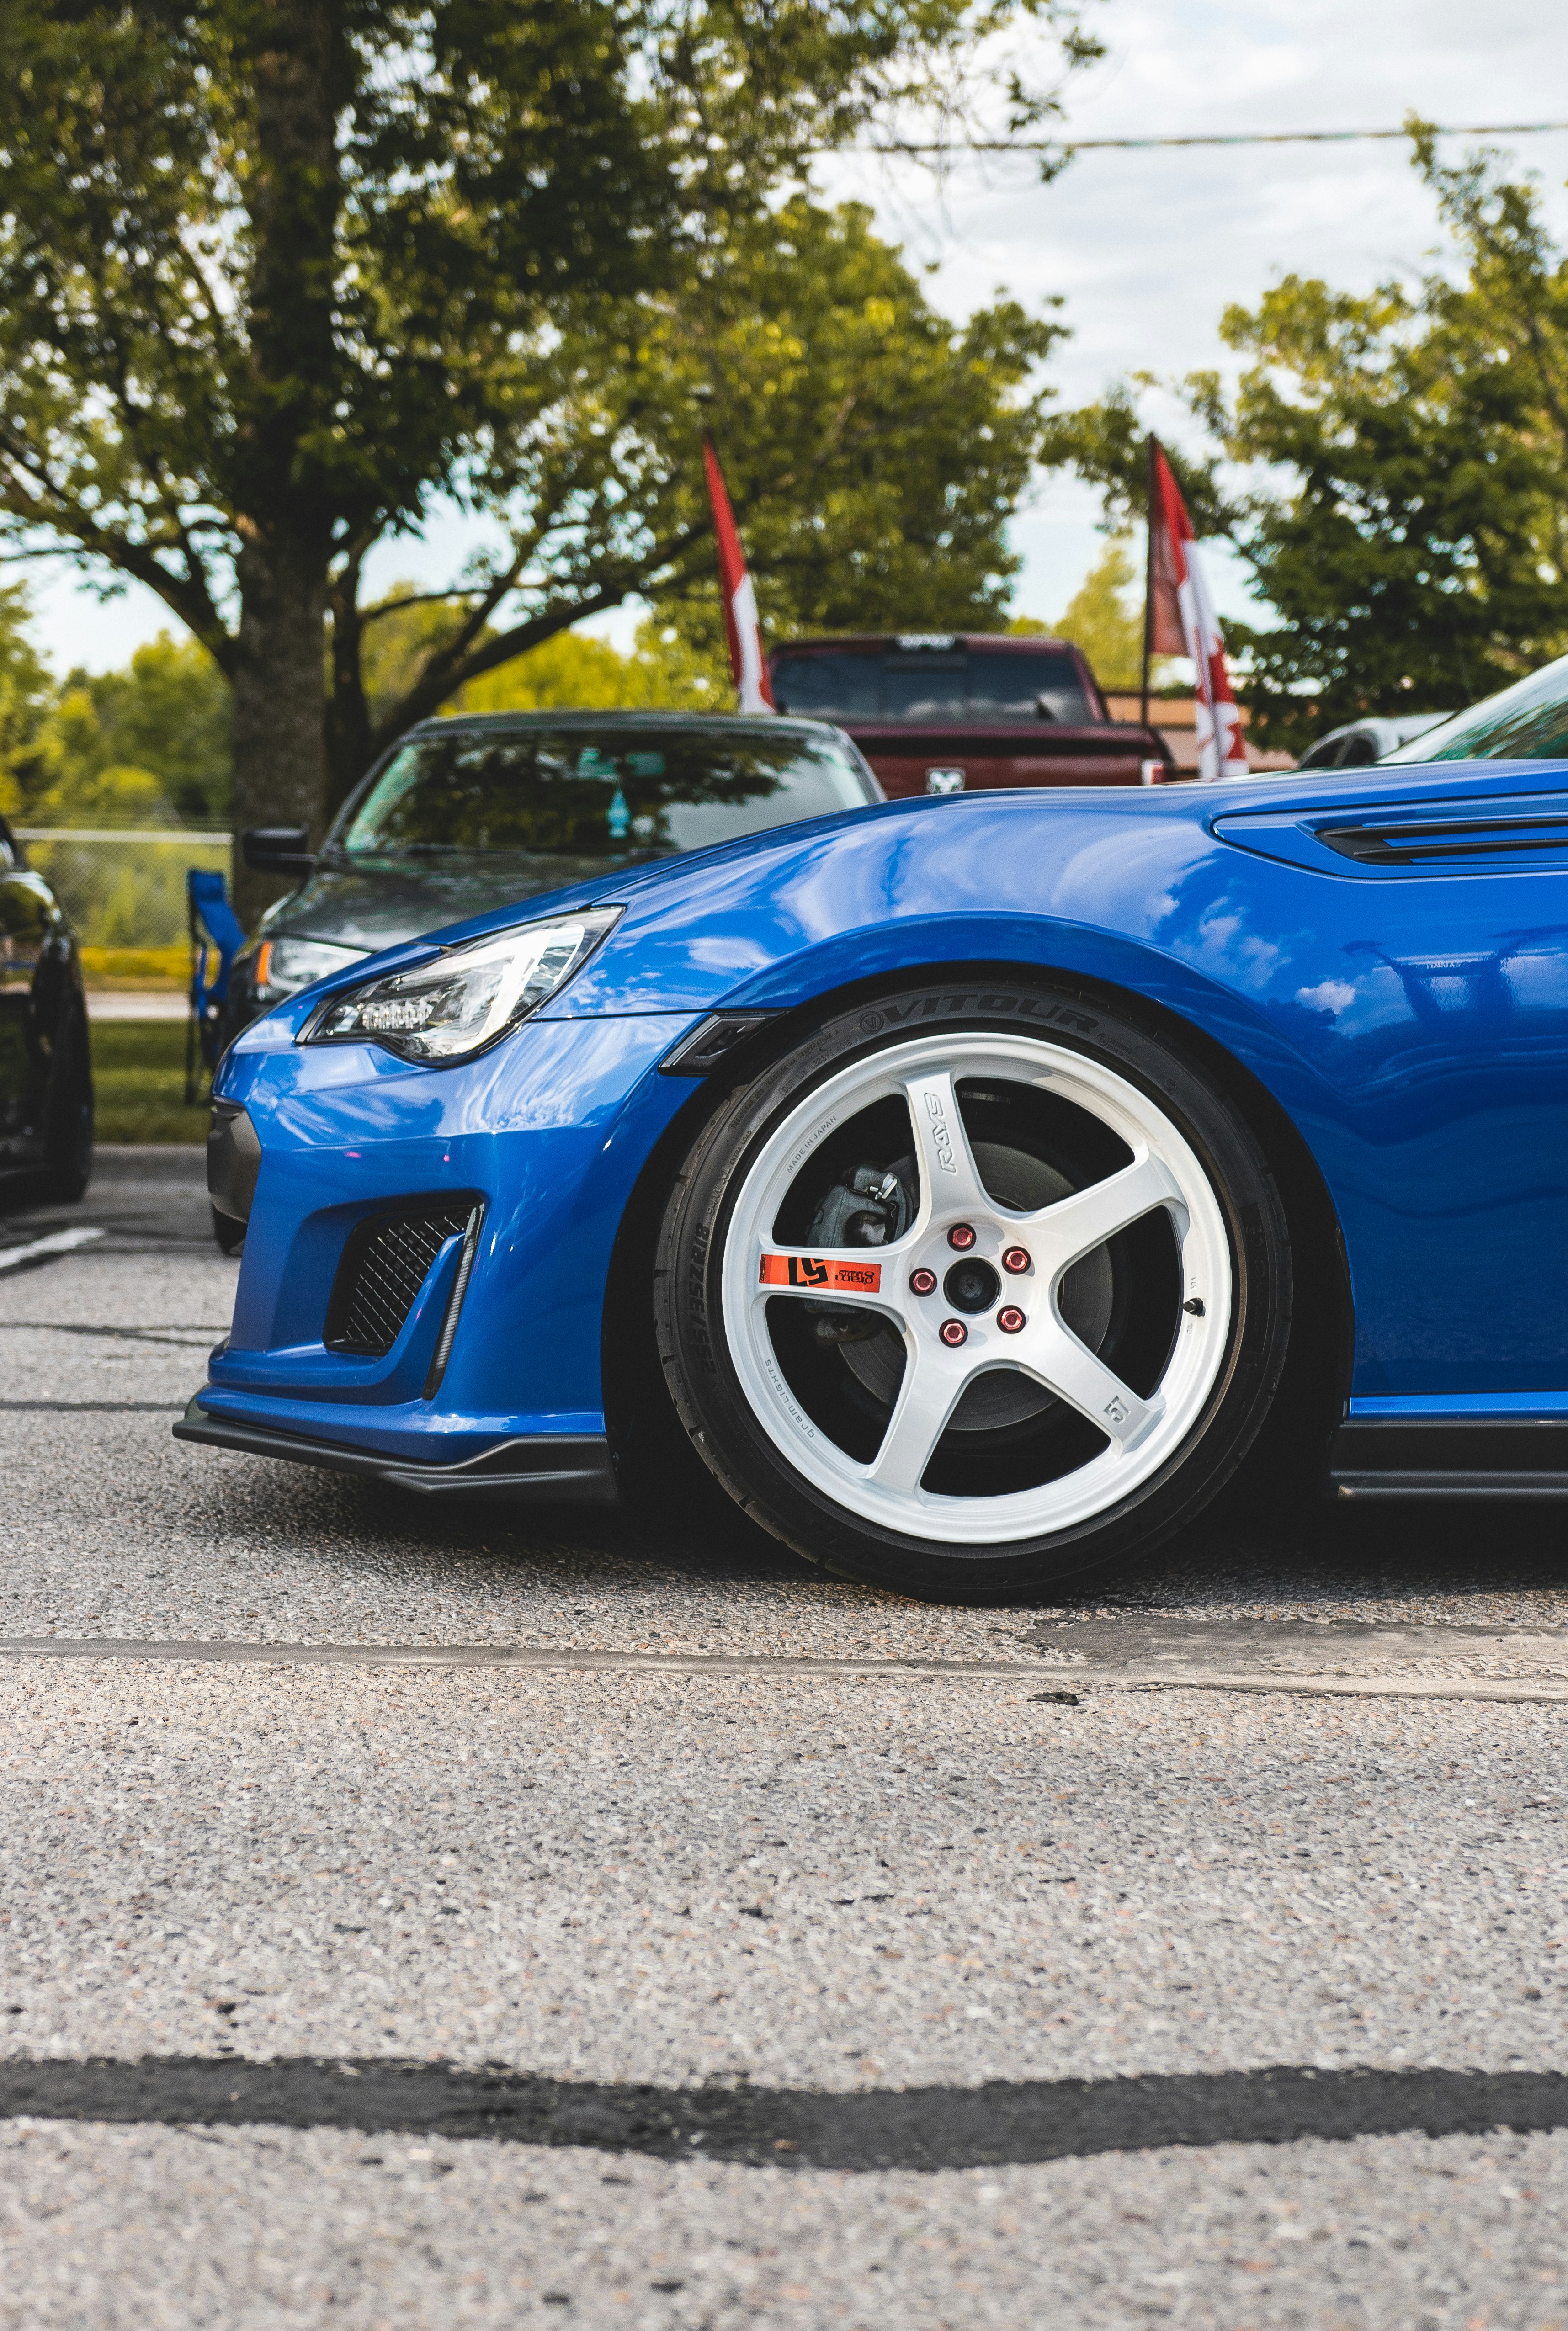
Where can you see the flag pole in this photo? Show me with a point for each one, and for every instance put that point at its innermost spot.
(1148, 585)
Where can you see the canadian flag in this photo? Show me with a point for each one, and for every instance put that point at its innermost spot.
(1181, 621)
(747, 665)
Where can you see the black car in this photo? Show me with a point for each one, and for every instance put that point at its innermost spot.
(45, 1064)
(466, 814)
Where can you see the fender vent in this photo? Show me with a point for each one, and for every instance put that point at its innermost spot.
(384, 1264)
(1448, 841)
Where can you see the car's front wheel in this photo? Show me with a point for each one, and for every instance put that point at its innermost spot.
(967, 1295)
(67, 1167)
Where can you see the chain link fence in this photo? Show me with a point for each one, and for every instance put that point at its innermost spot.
(123, 886)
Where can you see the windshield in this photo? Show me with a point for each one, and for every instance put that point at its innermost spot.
(1526, 722)
(943, 684)
(619, 793)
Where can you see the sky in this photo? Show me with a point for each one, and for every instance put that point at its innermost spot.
(1146, 250)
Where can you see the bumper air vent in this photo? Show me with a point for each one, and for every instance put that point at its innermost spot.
(385, 1262)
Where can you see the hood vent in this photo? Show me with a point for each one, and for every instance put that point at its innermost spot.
(1450, 841)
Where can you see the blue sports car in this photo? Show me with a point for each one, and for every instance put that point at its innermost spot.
(974, 1183)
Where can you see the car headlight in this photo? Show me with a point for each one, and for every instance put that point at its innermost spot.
(452, 1008)
(282, 966)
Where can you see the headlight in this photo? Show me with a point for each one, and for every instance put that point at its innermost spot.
(282, 966)
(452, 1008)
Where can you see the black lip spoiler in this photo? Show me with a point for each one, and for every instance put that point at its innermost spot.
(547, 1468)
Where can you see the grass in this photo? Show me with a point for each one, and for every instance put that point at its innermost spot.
(138, 1076)
(110, 967)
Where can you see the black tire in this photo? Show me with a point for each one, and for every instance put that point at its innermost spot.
(67, 1131)
(229, 1234)
(708, 1393)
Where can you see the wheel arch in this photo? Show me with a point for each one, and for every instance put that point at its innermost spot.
(1311, 1399)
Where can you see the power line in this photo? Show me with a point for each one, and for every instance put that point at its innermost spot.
(1244, 138)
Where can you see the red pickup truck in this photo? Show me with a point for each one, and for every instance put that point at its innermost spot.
(938, 712)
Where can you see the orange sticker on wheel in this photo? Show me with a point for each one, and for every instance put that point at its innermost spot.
(817, 1271)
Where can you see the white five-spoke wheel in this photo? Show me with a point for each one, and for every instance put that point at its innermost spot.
(967, 1310)
(979, 1318)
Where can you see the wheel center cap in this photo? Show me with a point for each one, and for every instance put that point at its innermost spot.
(972, 1285)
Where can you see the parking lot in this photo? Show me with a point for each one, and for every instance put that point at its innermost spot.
(692, 1864)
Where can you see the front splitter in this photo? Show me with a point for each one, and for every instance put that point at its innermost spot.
(544, 1469)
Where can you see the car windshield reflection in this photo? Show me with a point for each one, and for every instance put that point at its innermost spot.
(1525, 722)
(620, 794)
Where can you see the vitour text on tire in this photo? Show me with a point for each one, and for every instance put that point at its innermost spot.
(973, 1291)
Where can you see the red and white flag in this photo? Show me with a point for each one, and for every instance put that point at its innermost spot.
(747, 665)
(1181, 621)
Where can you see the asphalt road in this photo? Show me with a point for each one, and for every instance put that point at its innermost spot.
(412, 1919)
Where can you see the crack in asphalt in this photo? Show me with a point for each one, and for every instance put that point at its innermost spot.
(859, 2130)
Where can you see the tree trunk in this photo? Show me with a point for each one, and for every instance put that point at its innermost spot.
(284, 499)
(279, 762)
(350, 748)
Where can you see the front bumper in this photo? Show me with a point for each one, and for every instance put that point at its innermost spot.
(493, 1382)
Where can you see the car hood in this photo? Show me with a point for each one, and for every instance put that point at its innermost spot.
(986, 877)
(384, 902)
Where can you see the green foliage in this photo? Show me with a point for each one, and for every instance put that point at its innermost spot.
(146, 746)
(122, 749)
(1099, 621)
(25, 688)
(1416, 552)
(873, 450)
(271, 278)
(665, 674)
(170, 712)
(570, 669)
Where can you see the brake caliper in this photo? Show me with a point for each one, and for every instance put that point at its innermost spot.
(872, 1208)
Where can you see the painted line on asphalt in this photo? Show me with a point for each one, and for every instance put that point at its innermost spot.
(861, 2130)
(98, 1407)
(567, 1658)
(41, 1249)
(171, 1335)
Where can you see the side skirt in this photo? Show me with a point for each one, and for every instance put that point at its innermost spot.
(1448, 1457)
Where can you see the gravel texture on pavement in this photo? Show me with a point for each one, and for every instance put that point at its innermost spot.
(320, 1556)
(832, 1882)
(268, 2230)
(827, 1884)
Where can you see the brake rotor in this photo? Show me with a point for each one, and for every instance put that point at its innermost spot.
(1003, 1395)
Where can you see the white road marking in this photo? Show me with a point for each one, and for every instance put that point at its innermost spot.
(57, 1242)
(1215, 1674)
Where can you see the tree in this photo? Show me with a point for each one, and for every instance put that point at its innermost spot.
(26, 686)
(147, 745)
(275, 273)
(874, 450)
(1417, 553)
(1098, 619)
(170, 712)
(571, 671)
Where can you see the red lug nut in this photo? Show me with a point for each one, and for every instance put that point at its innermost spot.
(922, 1282)
(1009, 1319)
(954, 1332)
(962, 1237)
(1015, 1259)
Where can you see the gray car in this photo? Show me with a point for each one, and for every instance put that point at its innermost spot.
(469, 813)
(1359, 743)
